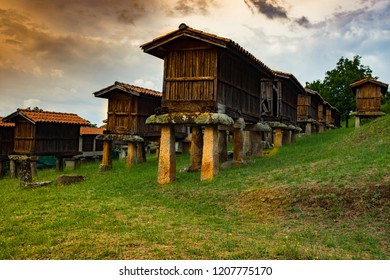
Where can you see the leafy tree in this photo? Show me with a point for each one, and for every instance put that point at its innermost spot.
(336, 86)
(386, 103)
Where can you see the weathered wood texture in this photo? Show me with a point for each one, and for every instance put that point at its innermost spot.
(46, 139)
(279, 98)
(6, 139)
(46, 133)
(127, 114)
(129, 107)
(368, 98)
(368, 92)
(303, 106)
(206, 73)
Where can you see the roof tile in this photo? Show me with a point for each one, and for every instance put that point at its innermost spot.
(6, 124)
(51, 117)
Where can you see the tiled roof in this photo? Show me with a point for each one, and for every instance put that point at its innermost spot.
(185, 30)
(48, 117)
(88, 130)
(127, 88)
(6, 124)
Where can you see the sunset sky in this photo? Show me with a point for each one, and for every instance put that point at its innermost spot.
(55, 53)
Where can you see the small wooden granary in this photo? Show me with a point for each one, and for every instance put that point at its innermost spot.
(279, 98)
(128, 108)
(311, 111)
(6, 143)
(40, 132)
(207, 73)
(368, 93)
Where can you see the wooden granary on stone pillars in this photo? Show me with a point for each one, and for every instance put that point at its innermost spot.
(128, 108)
(42, 133)
(211, 84)
(278, 107)
(309, 116)
(368, 93)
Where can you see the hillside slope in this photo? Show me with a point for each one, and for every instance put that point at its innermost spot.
(324, 197)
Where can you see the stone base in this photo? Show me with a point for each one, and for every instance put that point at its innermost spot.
(103, 168)
(69, 179)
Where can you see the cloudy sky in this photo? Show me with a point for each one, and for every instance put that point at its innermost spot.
(55, 53)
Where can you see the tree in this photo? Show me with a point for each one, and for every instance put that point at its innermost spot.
(336, 86)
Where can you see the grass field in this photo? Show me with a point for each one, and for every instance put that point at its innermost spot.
(327, 196)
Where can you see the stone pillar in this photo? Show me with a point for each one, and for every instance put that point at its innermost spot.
(247, 144)
(13, 168)
(210, 157)
(25, 171)
(196, 148)
(24, 165)
(238, 146)
(106, 157)
(308, 128)
(222, 145)
(238, 141)
(34, 168)
(131, 154)
(294, 136)
(141, 154)
(357, 121)
(256, 141)
(186, 146)
(167, 156)
(278, 135)
(77, 163)
(287, 137)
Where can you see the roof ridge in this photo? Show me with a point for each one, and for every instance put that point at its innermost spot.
(183, 28)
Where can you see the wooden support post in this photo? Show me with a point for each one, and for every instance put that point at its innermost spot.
(210, 157)
(167, 156)
(131, 154)
(222, 145)
(278, 135)
(196, 148)
(106, 157)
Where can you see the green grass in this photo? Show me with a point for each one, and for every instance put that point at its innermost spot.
(324, 197)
